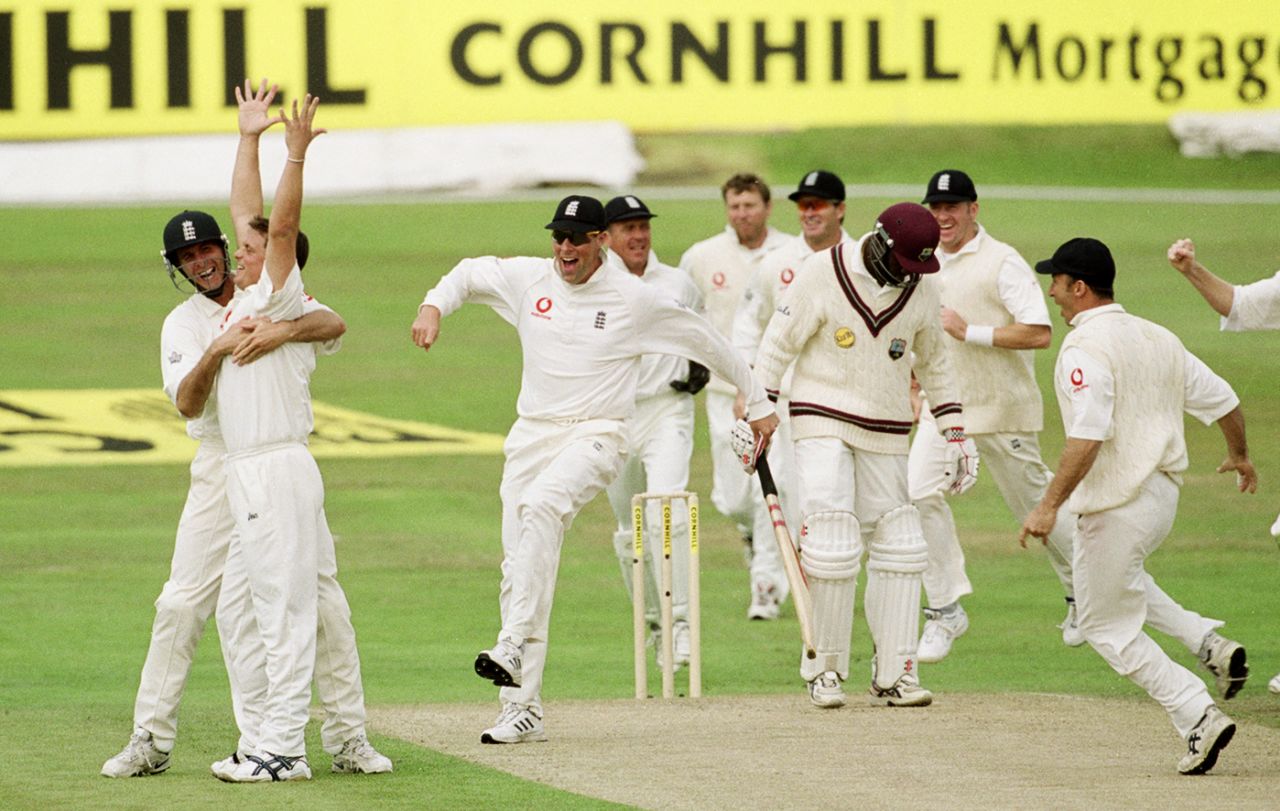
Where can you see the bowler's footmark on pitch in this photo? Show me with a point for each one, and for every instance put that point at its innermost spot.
(40, 428)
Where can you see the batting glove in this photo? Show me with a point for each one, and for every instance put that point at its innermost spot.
(746, 446)
(699, 376)
(961, 470)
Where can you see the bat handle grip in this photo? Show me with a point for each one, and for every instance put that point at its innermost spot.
(767, 485)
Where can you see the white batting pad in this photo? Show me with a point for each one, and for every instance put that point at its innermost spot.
(898, 557)
(830, 553)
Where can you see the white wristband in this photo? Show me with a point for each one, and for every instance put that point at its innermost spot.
(982, 336)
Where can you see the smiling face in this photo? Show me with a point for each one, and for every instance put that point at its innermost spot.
(576, 263)
(631, 241)
(957, 222)
(748, 214)
(820, 221)
(250, 257)
(1064, 290)
(205, 264)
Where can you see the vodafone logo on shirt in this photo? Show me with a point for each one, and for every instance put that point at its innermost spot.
(1077, 380)
(541, 308)
(787, 275)
(717, 279)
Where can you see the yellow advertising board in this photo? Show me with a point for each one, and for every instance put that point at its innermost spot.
(40, 428)
(130, 67)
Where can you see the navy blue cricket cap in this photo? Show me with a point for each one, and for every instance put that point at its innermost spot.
(626, 207)
(577, 212)
(1082, 258)
(821, 184)
(950, 186)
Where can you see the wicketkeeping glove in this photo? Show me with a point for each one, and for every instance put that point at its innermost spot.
(961, 470)
(699, 376)
(745, 445)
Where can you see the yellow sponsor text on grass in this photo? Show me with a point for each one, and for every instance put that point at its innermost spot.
(140, 426)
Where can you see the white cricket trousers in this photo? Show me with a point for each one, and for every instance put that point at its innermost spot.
(1012, 461)
(277, 500)
(661, 442)
(552, 470)
(188, 599)
(730, 486)
(1115, 597)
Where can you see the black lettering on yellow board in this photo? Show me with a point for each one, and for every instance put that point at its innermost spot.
(40, 428)
(170, 67)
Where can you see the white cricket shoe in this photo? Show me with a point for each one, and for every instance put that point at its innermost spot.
(359, 757)
(1225, 659)
(939, 631)
(764, 602)
(1205, 740)
(517, 723)
(825, 691)
(905, 692)
(500, 664)
(1274, 684)
(139, 758)
(223, 768)
(1071, 635)
(267, 768)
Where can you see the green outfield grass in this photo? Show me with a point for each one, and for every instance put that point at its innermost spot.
(84, 551)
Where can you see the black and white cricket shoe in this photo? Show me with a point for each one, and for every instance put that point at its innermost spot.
(500, 664)
(1208, 738)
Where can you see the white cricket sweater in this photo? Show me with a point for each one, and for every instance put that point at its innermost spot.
(721, 267)
(997, 386)
(582, 343)
(852, 342)
(1147, 364)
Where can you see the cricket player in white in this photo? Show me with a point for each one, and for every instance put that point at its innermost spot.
(195, 253)
(850, 322)
(819, 200)
(1123, 384)
(994, 314)
(721, 266)
(1247, 307)
(274, 486)
(583, 327)
(661, 440)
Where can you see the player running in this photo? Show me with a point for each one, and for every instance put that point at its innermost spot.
(1123, 384)
(583, 327)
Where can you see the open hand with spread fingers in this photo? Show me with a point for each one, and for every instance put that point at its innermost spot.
(255, 108)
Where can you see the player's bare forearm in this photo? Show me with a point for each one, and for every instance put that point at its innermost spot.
(1077, 459)
(1232, 427)
(193, 391)
(253, 119)
(286, 210)
(267, 336)
(1022, 336)
(1218, 293)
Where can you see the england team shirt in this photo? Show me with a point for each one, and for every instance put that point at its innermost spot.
(657, 371)
(1254, 306)
(581, 343)
(188, 331)
(1088, 388)
(1016, 283)
(267, 402)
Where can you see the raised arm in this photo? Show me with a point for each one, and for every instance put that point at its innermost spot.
(1219, 293)
(286, 211)
(246, 181)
